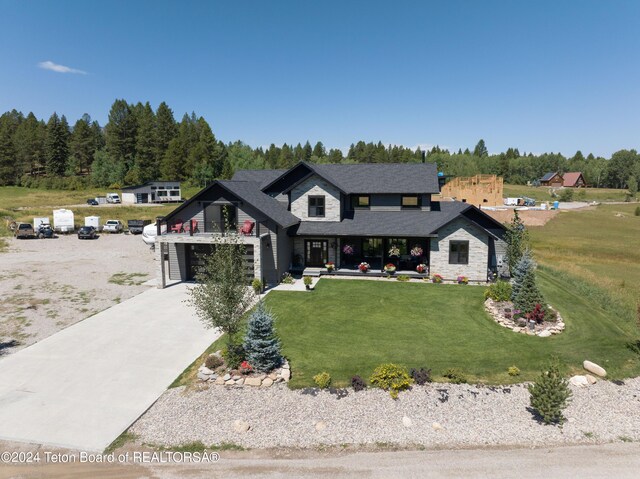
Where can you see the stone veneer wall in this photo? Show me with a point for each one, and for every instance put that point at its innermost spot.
(460, 229)
(315, 186)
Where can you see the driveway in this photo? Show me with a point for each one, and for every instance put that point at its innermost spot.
(83, 386)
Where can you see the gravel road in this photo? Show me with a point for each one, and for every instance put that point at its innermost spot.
(434, 416)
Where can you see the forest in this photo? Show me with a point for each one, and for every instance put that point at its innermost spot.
(140, 144)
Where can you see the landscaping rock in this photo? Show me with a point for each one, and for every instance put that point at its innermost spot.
(266, 382)
(273, 376)
(240, 381)
(226, 377)
(406, 421)
(205, 370)
(517, 329)
(241, 426)
(252, 382)
(286, 374)
(544, 334)
(229, 382)
(321, 426)
(594, 368)
(591, 379)
(436, 426)
(219, 381)
(203, 377)
(235, 377)
(579, 381)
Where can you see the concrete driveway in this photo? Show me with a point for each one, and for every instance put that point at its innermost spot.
(83, 386)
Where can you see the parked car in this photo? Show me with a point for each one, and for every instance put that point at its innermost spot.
(87, 232)
(92, 202)
(113, 198)
(45, 231)
(112, 226)
(24, 230)
(136, 227)
(150, 232)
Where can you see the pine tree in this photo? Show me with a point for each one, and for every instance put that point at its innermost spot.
(146, 161)
(307, 151)
(8, 171)
(166, 129)
(286, 159)
(319, 151)
(528, 295)
(261, 344)
(525, 265)
(121, 133)
(82, 143)
(517, 239)
(550, 394)
(56, 147)
(481, 149)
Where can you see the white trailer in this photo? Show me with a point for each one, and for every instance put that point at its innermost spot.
(92, 221)
(43, 220)
(513, 201)
(63, 221)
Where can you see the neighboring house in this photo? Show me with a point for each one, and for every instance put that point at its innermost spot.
(479, 190)
(300, 219)
(152, 192)
(574, 179)
(553, 179)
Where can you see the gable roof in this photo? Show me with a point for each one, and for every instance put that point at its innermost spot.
(550, 176)
(155, 182)
(571, 178)
(372, 178)
(263, 177)
(249, 192)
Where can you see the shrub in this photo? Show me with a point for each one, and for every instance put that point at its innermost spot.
(455, 376)
(421, 376)
(256, 284)
(499, 291)
(358, 384)
(403, 277)
(550, 394)
(307, 280)
(566, 194)
(637, 211)
(213, 362)
(287, 278)
(513, 371)
(537, 314)
(322, 380)
(436, 278)
(462, 280)
(392, 378)
(234, 354)
(550, 315)
(261, 344)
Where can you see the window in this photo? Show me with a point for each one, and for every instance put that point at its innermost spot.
(458, 252)
(174, 193)
(161, 187)
(360, 201)
(400, 243)
(162, 193)
(153, 187)
(410, 201)
(316, 206)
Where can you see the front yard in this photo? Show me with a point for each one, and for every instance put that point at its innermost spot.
(348, 327)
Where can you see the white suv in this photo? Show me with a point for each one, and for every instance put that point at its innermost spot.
(113, 198)
(112, 226)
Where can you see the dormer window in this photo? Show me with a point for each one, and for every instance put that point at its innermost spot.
(410, 201)
(316, 206)
(360, 201)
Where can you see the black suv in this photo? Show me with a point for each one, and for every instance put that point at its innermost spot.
(92, 202)
(87, 232)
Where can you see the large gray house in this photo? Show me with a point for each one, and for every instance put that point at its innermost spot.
(302, 218)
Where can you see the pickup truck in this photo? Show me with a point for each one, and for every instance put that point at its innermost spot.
(112, 226)
(24, 230)
(136, 227)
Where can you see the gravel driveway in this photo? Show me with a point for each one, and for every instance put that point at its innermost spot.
(438, 415)
(49, 284)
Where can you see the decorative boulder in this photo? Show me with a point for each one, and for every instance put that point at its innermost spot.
(241, 426)
(591, 379)
(406, 421)
(544, 334)
(579, 381)
(594, 368)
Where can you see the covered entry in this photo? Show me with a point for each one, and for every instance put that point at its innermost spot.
(316, 252)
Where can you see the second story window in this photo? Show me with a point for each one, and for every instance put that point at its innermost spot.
(316, 206)
(360, 201)
(410, 201)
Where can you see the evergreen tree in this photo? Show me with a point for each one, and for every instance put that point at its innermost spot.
(8, 127)
(550, 394)
(261, 344)
(632, 186)
(517, 239)
(480, 150)
(82, 144)
(166, 129)
(286, 159)
(335, 156)
(146, 161)
(522, 268)
(121, 133)
(528, 295)
(307, 151)
(319, 151)
(56, 146)
(29, 144)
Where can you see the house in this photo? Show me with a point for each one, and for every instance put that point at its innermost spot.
(574, 179)
(152, 192)
(553, 179)
(301, 218)
(479, 190)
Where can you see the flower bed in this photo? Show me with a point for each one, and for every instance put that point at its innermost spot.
(502, 312)
(243, 376)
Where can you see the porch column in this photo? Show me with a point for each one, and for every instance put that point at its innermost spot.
(159, 250)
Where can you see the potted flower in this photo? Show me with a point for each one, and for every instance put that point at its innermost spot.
(347, 250)
(330, 265)
(463, 280)
(436, 278)
(389, 268)
(416, 251)
(421, 268)
(307, 282)
(364, 267)
(394, 251)
(245, 367)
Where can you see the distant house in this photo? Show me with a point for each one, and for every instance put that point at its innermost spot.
(553, 179)
(152, 192)
(574, 180)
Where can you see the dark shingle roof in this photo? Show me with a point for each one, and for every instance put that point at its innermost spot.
(249, 191)
(548, 176)
(262, 177)
(388, 223)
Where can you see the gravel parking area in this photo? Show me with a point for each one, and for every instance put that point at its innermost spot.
(434, 416)
(49, 284)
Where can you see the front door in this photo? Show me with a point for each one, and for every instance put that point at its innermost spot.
(316, 252)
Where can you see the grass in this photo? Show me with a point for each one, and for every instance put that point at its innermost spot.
(580, 194)
(128, 279)
(438, 327)
(120, 441)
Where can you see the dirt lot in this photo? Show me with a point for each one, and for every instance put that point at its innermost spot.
(49, 284)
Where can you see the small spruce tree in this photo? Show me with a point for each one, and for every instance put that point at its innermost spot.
(550, 394)
(517, 239)
(525, 265)
(261, 344)
(528, 293)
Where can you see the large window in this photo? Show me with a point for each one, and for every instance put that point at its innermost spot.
(410, 201)
(458, 252)
(360, 201)
(316, 206)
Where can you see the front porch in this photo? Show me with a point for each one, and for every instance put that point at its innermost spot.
(345, 271)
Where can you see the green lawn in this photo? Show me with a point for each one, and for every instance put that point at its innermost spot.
(348, 327)
(541, 193)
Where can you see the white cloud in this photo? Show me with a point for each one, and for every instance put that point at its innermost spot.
(54, 67)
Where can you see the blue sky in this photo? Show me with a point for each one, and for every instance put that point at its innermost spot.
(540, 76)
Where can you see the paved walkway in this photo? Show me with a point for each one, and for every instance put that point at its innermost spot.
(82, 387)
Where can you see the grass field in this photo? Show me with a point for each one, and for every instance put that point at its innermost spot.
(438, 327)
(542, 193)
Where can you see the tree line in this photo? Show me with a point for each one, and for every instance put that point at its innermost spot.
(139, 144)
